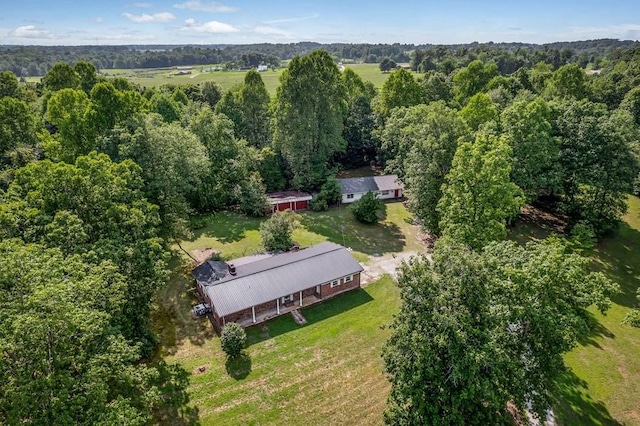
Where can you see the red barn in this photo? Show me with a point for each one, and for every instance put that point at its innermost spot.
(292, 200)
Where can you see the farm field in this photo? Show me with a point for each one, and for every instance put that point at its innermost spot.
(226, 79)
(330, 371)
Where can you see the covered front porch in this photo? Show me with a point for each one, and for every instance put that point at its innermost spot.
(257, 317)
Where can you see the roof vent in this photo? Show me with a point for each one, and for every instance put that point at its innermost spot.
(232, 269)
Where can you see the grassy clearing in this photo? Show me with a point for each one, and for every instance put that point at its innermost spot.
(603, 386)
(152, 77)
(326, 372)
(236, 235)
(330, 371)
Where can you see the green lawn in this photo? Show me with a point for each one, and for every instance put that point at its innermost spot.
(235, 235)
(603, 386)
(150, 77)
(330, 371)
(326, 372)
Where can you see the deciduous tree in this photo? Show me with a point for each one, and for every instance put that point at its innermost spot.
(478, 330)
(478, 196)
(276, 231)
(308, 117)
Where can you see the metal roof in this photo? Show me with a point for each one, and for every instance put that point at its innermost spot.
(285, 196)
(280, 275)
(369, 183)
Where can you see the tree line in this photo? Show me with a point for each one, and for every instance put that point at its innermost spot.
(25, 61)
(99, 177)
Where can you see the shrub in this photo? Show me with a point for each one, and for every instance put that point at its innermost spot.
(366, 208)
(232, 339)
(331, 191)
(276, 231)
(318, 203)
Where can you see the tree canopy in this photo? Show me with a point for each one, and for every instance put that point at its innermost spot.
(477, 330)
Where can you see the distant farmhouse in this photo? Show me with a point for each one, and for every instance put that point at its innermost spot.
(262, 68)
(385, 187)
(252, 290)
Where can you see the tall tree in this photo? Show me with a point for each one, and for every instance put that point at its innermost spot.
(478, 196)
(254, 100)
(399, 90)
(87, 75)
(568, 81)
(597, 161)
(478, 330)
(535, 151)
(68, 110)
(230, 161)
(479, 110)
(94, 209)
(60, 76)
(8, 84)
(359, 122)
(438, 130)
(473, 79)
(308, 117)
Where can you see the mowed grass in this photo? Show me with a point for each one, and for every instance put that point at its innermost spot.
(326, 372)
(603, 387)
(330, 371)
(151, 77)
(235, 235)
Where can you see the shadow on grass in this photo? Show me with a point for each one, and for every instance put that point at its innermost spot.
(172, 382)
(574, 406)
(617, 256)
(172, 321)
(339, 226)
(238, 367)
(596, 329)
(312, 314)
(225, 226)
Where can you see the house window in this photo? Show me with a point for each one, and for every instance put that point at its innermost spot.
(335, 283)
(286, 299)
(348, 278)
(384, 193)
(349, 196)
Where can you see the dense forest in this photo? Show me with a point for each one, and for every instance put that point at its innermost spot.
(25, 61)
(99, 179)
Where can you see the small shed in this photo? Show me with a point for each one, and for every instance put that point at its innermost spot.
(292, 200)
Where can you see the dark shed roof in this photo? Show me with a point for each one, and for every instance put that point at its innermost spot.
(369, 183)
(280, 275)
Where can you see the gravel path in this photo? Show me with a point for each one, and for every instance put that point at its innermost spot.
(381, 265)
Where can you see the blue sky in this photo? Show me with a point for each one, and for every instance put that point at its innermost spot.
(64, 22)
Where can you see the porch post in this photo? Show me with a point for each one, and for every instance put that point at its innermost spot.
(278, 306)
(253, 311)
(301, 299)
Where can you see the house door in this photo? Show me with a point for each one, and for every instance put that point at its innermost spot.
(397, 193)
(318, 290)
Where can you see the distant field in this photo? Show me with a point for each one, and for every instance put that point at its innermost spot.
(150, 77)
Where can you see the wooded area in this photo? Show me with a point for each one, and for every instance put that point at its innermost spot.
(100, 177)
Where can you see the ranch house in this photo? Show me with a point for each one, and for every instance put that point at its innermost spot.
(385, 187)
(252, 290)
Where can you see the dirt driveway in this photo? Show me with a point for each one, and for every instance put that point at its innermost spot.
(387, 264)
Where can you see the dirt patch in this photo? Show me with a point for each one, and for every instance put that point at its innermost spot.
(201, 369)
(202, 255)
(542, 218)
(387, 264)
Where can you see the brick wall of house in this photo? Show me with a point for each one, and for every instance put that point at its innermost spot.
(326, 290)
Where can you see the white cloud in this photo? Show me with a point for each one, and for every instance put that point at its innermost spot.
(97, 20)
(300, 18)
(30, 31)
(141, 5)
(145, 18)
(209, 27)
(263, 29)
(199, 6)
(622, 31)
